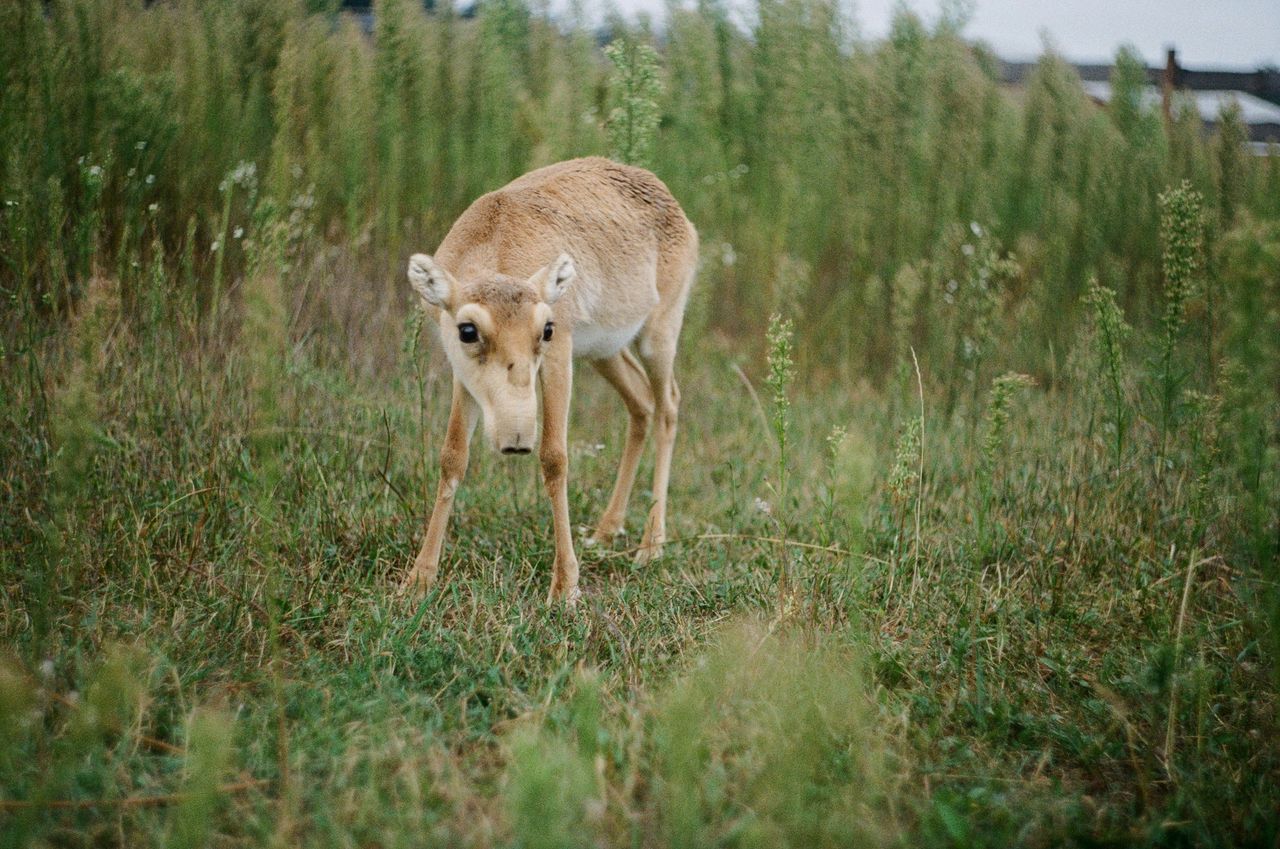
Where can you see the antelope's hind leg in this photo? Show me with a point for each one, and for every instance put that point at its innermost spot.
(454, 454)
(627, 376)
(657, 349)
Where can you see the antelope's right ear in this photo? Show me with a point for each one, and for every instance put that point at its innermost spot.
(429, 280)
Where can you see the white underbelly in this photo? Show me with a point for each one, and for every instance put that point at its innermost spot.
(593, 342)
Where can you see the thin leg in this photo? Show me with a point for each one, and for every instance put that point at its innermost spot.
(557, 381)
(627, 376)
(453, 466)
(659, 364)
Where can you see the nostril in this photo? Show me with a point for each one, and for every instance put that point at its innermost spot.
(516, 450)
(510, 366)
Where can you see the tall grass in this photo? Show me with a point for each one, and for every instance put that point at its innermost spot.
(792, 138)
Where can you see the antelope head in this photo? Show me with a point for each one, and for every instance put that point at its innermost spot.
(495, 331)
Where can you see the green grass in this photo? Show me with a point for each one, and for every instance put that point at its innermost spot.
(977, 685)
(974, 503)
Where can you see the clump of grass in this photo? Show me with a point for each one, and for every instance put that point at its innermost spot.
(634, 89)
(773, 734)
(1110, 333)
(781, 373)
(1002, 393)
(549, 791)
(971, 298)
(1003, 390)
(208, 759)
(1182, 230)
(76, 432)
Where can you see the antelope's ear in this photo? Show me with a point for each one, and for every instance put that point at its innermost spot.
(429, 280)
(556, 278)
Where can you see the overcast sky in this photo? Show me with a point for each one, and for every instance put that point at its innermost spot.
(1207, 33)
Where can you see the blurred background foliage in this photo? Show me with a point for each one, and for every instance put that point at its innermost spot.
(792, 143)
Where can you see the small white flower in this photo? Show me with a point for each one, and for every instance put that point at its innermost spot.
(976, 228)
(237, 233)
(153, 208)
(151, 178)
(131, 172)
(728, 256)
(142, 145)
(46, 668)
(95, 170)
(215, 246)
(764, 506)
(966, 249)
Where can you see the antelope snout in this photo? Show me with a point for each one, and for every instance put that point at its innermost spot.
(519, 437)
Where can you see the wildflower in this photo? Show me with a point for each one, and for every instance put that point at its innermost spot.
(151, 178)
(728, 256)
(905, 473)
(1002, 389)
(237, 233)
(764, 506)
(835, 439)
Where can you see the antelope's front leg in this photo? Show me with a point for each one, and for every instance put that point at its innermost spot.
(453, 466)
(557, 382)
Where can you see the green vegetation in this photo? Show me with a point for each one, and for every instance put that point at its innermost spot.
(993, 561)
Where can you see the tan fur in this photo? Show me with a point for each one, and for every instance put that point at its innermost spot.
(604, 251)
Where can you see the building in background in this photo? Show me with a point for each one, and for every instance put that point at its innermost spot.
(1174, 87)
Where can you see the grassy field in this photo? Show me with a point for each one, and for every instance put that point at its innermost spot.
(975, 541)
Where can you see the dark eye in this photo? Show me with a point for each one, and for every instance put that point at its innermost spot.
(467, 333)
(547, 330)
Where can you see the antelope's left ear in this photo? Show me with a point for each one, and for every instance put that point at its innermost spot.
(556, 278)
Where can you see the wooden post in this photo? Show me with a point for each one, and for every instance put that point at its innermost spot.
(1168, 83)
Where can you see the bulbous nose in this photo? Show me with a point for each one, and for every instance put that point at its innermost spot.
(517, 444)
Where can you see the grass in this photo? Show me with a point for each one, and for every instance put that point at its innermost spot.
(993, 563)
(1018, 682)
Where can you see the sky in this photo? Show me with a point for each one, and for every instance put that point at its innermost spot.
(1207, 33)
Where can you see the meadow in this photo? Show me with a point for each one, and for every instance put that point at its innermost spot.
(974, 504)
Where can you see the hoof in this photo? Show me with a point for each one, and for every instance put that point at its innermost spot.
(569, 597)
(415, 584)
(604, 534)
(649, 553)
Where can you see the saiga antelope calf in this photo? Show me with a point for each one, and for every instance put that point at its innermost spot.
(580, 259)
